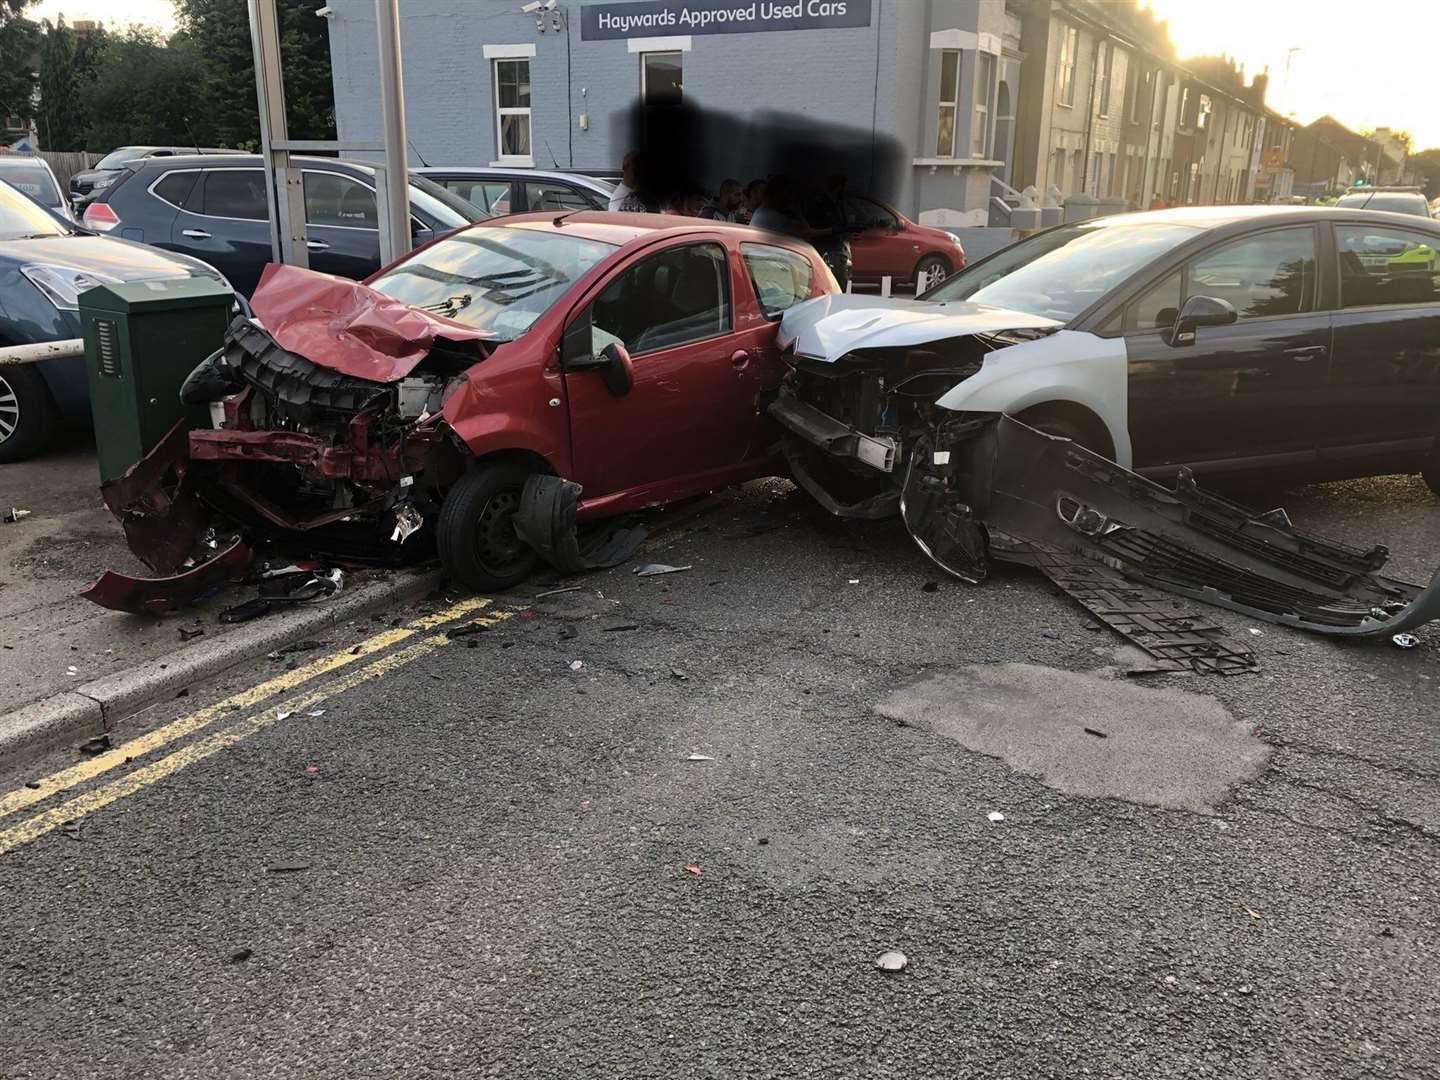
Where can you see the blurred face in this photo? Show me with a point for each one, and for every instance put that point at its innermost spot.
(730, 196)
(691, 205)
(755, 197)
(627, 170)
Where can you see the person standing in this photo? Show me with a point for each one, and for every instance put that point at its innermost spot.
(753, 199)
(726, 205)
(634, 195)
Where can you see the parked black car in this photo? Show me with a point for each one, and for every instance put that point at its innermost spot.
(216, 210)
(502, 190)
(84, 185)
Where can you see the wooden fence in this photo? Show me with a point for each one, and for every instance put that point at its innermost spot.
(65, 163)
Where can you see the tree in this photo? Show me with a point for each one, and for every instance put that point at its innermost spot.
(1428, 162)
(221, 31)
(144, 91)
(62, 116)
(18, 40)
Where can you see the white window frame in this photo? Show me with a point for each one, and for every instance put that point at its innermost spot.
(981, 123)
(679, 55)
(1065, 75)
(952, 103)
(511, 54)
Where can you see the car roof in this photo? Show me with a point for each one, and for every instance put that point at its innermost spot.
(510, 173)
(1213, 217)
(240, 160)
(23, 159)
(624, 228)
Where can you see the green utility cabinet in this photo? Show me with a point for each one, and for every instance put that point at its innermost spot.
(141, 340)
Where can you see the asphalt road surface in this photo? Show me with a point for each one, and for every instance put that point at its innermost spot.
(461, 854)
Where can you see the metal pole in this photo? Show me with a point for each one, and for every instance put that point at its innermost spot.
(396, 209)
(283, 190)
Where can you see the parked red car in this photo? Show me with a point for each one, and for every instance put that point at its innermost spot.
(621, 357)
(885, 241)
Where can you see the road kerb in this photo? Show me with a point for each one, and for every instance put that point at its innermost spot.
(98, 706)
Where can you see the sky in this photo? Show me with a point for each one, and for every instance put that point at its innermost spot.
(1367, 64)
(1355, 60)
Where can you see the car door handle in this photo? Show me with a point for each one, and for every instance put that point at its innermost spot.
(1306, 352)
(739, 358)
(195, 234)
(317, 245)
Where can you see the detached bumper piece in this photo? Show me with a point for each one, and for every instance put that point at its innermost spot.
(546, 520)
(819, 442)
(156, 596)
(1125, 547)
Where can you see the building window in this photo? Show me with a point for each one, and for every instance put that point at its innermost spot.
(662, 78)
(512, 109)
(1202, 120)
(949, 102)
(1065, 78)
(1106, 63)
(984, 95)
(1132, 92)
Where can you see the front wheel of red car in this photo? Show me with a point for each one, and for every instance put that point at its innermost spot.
(933, 269)
(476, 533)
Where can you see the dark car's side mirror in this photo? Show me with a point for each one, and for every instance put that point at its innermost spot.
(1200, 311)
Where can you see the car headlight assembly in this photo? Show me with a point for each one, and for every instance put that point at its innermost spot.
(62, 285)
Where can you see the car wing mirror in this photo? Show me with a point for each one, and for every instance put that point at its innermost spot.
(614, 365)
(1200, 311)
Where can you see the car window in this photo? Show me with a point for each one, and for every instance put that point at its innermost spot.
(864, 214)
(551, 196)
(1155, 308)
(116, 158)
(445, 209)
(1269, 274)
(781, 278)
(682, 294)
(235, 193)
(177, 188)
(491, 196)
(492, 278)
(33, 180)
(332, 199)
(1384, 265)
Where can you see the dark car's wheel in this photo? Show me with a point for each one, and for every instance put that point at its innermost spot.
(934, 269)
(27, 414)
(476, 534)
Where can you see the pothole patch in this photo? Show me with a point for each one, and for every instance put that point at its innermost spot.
(1086, 735)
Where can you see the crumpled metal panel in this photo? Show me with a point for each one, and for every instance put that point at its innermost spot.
(156, 504)
(347, 327)
(155, 596)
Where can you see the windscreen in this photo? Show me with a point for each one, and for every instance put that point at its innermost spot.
(34, 180)
(22, 218)
(1397, 202)
(1060, 273)
(494, 279)
(448, 209)
(116, 158)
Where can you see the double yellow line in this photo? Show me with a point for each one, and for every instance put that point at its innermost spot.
(470, 611)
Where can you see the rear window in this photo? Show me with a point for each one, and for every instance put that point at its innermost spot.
(1395, 202)
(176, 188)
(781, 278)
(33, 180)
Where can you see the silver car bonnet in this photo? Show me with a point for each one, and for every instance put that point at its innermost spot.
(828, 327)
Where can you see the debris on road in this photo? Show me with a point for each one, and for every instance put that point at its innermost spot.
(676, 673)
(187, 634)
(239, 956)
(1406, 641)
(699, 757)
(557, 592)
(657, 569)
(71, 829)
(693, 869)
(287, 867)
(995, 816)
(1096, 732)
(14, 514)
(622, 626)
(577, 665)
(98, 745)
(894, 960)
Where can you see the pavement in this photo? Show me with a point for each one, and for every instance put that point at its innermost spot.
(70, 669)
(664, 826)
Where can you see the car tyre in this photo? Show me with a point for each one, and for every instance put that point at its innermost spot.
(937, 267)
(28, 416)
(476, 534)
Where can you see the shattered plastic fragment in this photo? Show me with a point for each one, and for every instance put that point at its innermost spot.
(995, 816)
(656, 569)
(1406, 641)
(13, 515)
(894, 960)
(576, 665)
(407, 522)
(693, 869)
(699, 757)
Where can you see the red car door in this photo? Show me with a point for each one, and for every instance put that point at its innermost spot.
(878, 246)
(688, 421)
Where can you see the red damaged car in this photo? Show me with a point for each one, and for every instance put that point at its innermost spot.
(497, 385)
